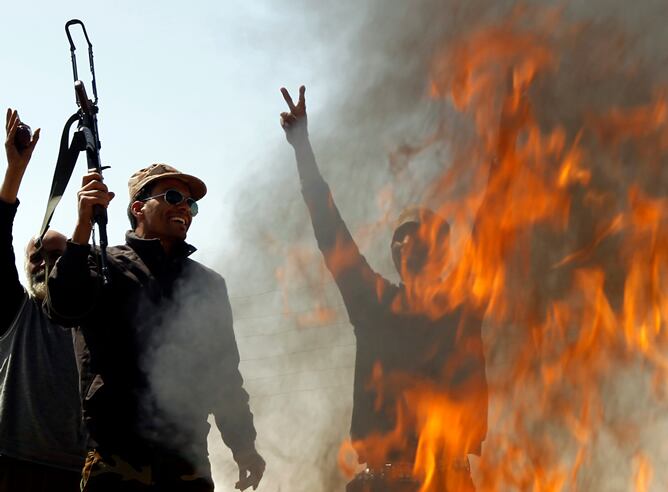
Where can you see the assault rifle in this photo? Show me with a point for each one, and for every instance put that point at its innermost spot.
(86, 138)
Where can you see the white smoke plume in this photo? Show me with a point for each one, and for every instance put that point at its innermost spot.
(374, 146)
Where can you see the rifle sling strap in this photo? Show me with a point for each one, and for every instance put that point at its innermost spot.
(67, 158)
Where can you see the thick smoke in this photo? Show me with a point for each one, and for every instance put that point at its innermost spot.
(375, 148)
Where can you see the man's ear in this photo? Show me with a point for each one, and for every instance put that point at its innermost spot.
(137, 209)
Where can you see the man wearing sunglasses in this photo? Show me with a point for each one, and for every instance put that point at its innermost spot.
(41, 436)
(156, 344)
(401, 346)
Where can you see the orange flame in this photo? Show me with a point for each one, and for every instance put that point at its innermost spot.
(584, 331)
(643, 473)
(568, 261)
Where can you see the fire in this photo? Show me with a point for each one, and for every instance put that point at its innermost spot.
(550, 403)
(566, 256)
(643, 474)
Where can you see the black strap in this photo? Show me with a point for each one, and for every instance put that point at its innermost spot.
(67, 158)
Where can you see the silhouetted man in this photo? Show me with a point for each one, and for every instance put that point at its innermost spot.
(156, 344)
(399, 348)
(41, 433)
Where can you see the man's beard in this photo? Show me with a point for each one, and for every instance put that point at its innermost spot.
(37, 285)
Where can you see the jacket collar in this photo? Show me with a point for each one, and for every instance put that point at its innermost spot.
(152, 252)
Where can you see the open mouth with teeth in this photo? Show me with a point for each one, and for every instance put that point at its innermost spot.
(180, 220)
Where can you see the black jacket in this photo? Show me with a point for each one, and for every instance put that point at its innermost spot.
(400, 353)
(13, 295)
(40, 415)
(156, 348)
(443, 355)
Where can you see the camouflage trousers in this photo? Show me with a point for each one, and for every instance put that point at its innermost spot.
(104, 472)
(397, 477)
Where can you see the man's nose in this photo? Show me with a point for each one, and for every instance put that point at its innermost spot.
(183, 206)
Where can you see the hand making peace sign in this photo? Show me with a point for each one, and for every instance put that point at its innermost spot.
(295, 122)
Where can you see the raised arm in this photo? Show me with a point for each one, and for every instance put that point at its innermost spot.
(350, 269)
(514, 115)
(74, 283)
(515, 112)
(17, 162)
(17, 159)
(295, 124)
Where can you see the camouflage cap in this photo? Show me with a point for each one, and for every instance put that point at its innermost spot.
(421, 216)
(155, 172)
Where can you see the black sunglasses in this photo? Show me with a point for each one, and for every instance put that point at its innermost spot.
(175, 197)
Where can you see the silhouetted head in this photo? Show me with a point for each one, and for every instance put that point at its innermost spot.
(421, 237)
(37, 261)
